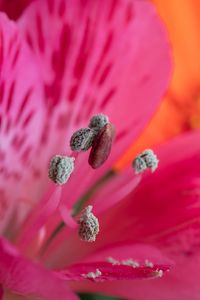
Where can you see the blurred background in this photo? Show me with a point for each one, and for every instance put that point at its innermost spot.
(180, 108)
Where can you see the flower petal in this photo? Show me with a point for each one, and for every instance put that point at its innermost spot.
(118, 271)
(115, 190)
(21, 114)
(1, 293)
(121, 268)
(164, 208)
(164, 211)
(13, 8)
(26, 278)
(112, 272)
(181, 283)
(166, 288)
(105, 61)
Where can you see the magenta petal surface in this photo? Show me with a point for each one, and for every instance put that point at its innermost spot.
(98, 260)
(1, 293)
(164, 208)
(162, 211)
(27, 278)
(21, 115)
(115, 190)
(111, 272)
(180, 283)
(14, 8)
(166, 204)
(99, 56)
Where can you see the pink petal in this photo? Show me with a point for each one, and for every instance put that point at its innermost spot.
(111, 272)
(39, 216)
(1, 293)
(114, 190)
(112, 60)
(123, 251)
(181, 283)
(21, 115)
(26, 278)
(164, 209)
(99, 251)
(13, 8)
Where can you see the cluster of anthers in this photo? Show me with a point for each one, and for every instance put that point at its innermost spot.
(98, 137)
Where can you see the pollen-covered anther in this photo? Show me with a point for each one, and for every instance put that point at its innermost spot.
(146, 160)
(98, 121)
(88, 225)
(92, 275)
(61, 168)
(82, 139)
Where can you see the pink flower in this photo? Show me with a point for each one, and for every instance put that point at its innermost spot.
(62, 62)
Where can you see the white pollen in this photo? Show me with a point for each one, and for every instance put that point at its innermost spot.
(146, 160)
(159, 273)
(60, 168)
(126, 262)
(93, 275)
(148, 263)
(88, 225)
(130, 262)
(98, 121)
(113, 261)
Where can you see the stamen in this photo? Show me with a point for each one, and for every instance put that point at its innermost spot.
(92, 275)
(82, 139)
(61, 168)
(89, 225)
(102, 146)
(147, 159)
(98, 121)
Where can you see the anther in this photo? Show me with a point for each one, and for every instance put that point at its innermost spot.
(61, 168)
(147, 159)
(88, 225)
(102, 146)
(98, 121)
(82, 139)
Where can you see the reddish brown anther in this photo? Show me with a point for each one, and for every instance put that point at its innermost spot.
(102, 146)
